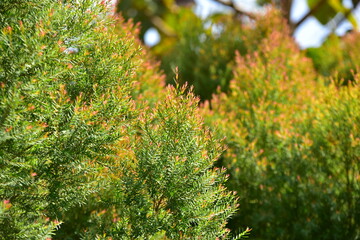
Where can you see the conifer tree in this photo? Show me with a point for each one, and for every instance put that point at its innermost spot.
(79, 155)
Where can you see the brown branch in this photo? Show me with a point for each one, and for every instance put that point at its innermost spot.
(236, 8)
(285, 6)
(155, 20)
(162, 26)
(311, 12)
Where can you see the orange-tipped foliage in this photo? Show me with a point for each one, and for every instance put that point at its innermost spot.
(292, 145)
(169, 187)
(84, 152)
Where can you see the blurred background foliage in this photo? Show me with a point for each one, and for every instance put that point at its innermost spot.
(338, 56)
(204, 48)
(290, 116)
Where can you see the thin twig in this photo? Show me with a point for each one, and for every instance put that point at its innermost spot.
(232, 5)
(311, 12)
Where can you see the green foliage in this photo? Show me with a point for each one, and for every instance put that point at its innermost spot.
(91, 146)
(327, 57)
(58, 112)
(296, 173)
(169, 186)
(335, 149)
(204, 55)
(203, 51)
(292, 149)
(337, 57)
(74, 157)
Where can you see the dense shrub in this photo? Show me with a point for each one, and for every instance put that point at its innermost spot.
(58, 112)
(169, 184)
(335, 150)
(292, 148)
(81, 156)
